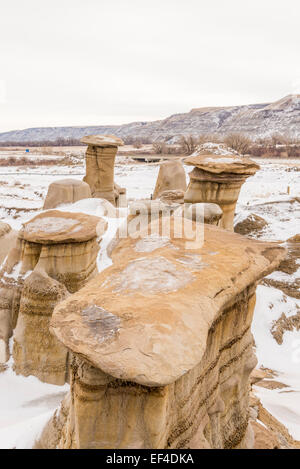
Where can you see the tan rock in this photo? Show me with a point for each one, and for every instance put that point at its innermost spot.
(4, 229)
(218, 179)
(162, 344)
(171, 176)
(55, 227)
(66, 191)
(7, 240)
(205, 213)
(277, 429)
(55, 255)
(172, 196)
(100, 161)
(264, 438)
(257, 375)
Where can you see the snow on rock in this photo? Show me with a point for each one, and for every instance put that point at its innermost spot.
(51, 225)
(216, 149)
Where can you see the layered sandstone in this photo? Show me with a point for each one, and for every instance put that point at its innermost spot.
(100, 161)
(66, 191)
(161, 345)
(55, 255)
(172, 196)
(218, 179)
(171, 176)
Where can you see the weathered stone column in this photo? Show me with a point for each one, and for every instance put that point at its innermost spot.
(162, 345)
(100, 160)
(218, 179)
(55, 256)
(171, 176)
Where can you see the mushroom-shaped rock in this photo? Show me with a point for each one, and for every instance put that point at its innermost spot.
(55, 255)
(66, 191)
(218, 179)
(100, 161)
(7, 240)
(162, 343)
(171, 176)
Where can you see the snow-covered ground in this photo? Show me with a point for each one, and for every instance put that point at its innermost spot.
(273, 193)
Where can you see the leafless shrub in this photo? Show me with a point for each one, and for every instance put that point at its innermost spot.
(158, 148)
(238, 142)
(137, 144)
(188, 144)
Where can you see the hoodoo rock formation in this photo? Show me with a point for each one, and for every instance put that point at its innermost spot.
(161, 345)
(100, 161)
(218, 179)
(66, 191)
(55, 255)
(171, 176)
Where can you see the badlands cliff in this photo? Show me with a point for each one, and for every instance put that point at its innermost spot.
(255, 120)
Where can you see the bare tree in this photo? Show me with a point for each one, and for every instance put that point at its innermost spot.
(158, 147)
(238, 142)
(188, 144)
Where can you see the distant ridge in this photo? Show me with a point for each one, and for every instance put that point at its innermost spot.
(254, 120)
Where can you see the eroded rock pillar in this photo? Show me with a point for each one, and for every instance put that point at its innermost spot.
(100, 162)
(55, 256)
(218, 179)
(162, 344)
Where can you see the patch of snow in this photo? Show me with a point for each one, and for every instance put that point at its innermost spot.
(51, 224)
(216, 148)
(25, 406)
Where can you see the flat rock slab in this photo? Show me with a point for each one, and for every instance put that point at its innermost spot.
(54, 227)
(102, 140)
(223, 164)
(146, 318)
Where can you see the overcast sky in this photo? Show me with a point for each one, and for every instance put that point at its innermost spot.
(82, 62)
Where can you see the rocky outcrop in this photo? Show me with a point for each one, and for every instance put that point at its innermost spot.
(66, 191)
(252, 224)
(218, 179)
(55, 255)
(7, 240)
(161, 345)
(269, 433)
(171, 176)
(100, 161)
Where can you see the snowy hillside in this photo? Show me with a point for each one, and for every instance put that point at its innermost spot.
(255, 120)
